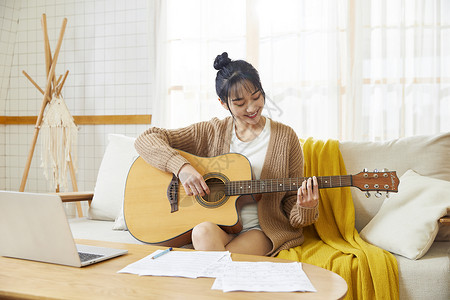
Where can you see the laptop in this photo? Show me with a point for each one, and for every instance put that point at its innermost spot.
(34, 226)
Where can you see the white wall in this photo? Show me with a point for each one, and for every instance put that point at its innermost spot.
(107, 49)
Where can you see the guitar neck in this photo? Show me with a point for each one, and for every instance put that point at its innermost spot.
(283, 185)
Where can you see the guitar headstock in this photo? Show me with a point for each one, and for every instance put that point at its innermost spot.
(379, 181)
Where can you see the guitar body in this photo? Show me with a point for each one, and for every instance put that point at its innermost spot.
(150, 216)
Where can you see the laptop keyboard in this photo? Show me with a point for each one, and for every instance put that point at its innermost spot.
(88, 256)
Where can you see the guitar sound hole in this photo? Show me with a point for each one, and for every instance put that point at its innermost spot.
(217, 190)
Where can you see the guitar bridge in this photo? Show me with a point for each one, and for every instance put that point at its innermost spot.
(172, 194)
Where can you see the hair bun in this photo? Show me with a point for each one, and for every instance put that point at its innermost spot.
(221, 61)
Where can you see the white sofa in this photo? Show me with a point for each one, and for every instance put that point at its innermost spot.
(429, 156)
(424, 192)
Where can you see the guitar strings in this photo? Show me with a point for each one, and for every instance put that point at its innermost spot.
(320, 180)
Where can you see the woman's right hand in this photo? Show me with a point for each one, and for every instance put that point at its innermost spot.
(192, 181)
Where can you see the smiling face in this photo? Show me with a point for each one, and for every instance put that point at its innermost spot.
(246, 104)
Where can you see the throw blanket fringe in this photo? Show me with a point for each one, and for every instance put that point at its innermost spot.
(333, 242)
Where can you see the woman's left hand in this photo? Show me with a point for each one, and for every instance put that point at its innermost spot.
(308, 193)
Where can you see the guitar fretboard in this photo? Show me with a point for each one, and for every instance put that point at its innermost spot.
(282, 185)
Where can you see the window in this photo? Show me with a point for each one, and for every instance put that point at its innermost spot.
(348, 69)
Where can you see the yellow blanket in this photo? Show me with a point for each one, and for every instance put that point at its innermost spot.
(333, 242)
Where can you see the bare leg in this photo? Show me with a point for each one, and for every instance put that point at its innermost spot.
(209, 236)
(253, 242)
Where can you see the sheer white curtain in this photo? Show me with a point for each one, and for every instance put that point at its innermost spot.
(189, 35)
(403, 51)
(347, 69)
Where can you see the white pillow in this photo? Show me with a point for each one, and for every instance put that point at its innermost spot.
(407, 222)
(107, 203)
(119, 223)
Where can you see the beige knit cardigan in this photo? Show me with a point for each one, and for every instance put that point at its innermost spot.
(280, 217)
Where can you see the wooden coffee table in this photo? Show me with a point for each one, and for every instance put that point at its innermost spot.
(31, 280)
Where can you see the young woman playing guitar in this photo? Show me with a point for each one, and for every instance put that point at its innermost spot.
(273, 223)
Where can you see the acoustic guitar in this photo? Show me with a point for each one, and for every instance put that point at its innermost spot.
(158, 211)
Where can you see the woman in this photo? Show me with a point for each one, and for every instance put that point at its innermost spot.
(275, 222)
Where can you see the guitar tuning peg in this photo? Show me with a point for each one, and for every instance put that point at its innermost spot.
(365, 170)
(387, 194)
(385, 170)
(375, 171)
(378, 194)
(367, 194)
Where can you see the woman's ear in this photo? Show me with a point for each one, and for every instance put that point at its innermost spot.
(224, 105)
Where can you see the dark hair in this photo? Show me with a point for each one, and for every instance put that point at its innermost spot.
(234, 74)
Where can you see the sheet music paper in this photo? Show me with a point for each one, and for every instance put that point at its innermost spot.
(263, 277)
(230, 275)
(216, 269)
(191, 264)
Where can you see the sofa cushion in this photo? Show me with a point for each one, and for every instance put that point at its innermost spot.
(426, 278)
(84, 228)
(407, 223)
(428, 155)
(107, 203)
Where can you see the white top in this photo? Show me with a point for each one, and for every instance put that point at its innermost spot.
(254, 150)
